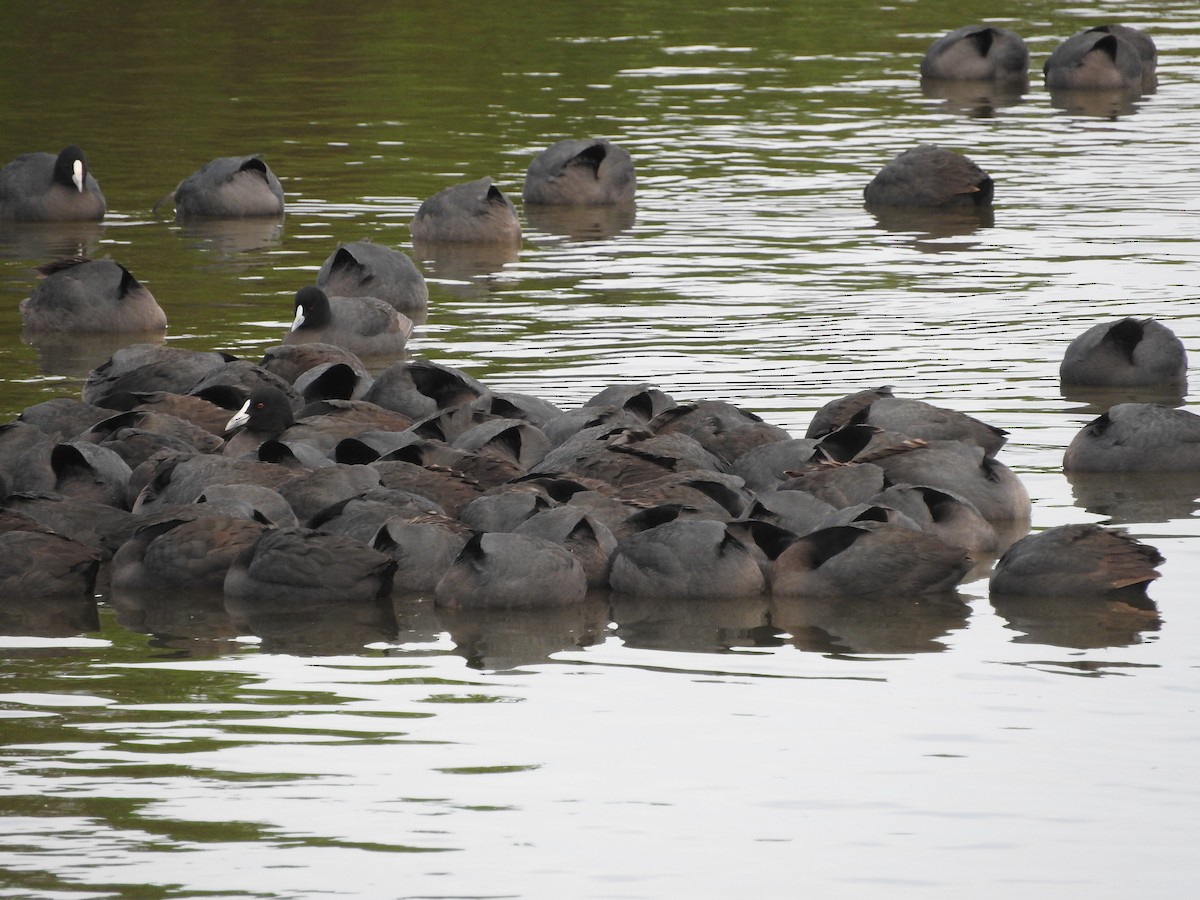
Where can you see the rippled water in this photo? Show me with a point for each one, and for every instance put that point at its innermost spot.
(624, 749)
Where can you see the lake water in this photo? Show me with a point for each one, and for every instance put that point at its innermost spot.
(624, 750)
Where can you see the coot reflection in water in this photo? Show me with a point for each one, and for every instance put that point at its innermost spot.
(1081, 623)
(191, 621)
(52, 617)
(321, 628)
(885, 625)
(506, 639)
(1136, 497)
(694, 625)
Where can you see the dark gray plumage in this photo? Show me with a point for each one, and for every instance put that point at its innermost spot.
(1077, 560)
(366, 326)
(1137, 437)
(475, 212)
(364, 269)
(44, 187)
(1127, 353)
(977, 53)
(1094, 60)
(862, 562)
(230, 187)
(91, 296)
(504, 571)
(581, 172)
(930, 176)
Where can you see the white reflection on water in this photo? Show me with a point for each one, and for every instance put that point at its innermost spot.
(649, 758)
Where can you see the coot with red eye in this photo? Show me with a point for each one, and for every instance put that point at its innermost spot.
(263, 417)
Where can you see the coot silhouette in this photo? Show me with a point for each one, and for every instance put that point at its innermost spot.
(581, 172)
(364, 269)
(266, 414)
(149, 367)
(85, 295)
(912, 418)
(1127, 353)
(424, 548)
(35, 565)
(42, 187)
(583, 535)
(230, 187)
(977, 53)
(475, 212)
(861, 562)
(1094, 60)
(991, 486)
(301, 566)
(687, 558)
(502, 570)
(1141, 42)
(930, 176)
(182, 553)
(1137, 437)
(1075, 560)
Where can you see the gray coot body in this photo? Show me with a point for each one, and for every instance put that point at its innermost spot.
(302, 566)
(476, 212)
(911, 418)
(1077, 560)
(932, 177)
(690, 558)
(502, 570)
(1094, 60)
(593, 172)
(35, 565)
(364, 269)
(860, 561)
(424, 548)
(230, 187)
(584, 536)
(149, 367)
(182, 554)
(1137, 437)
(1126, 353)
(977, 53)
(266, 414)
(991, 486)
(366, 326)
(82, 295)
(943, 514)
(42, 187)
(1141, 42)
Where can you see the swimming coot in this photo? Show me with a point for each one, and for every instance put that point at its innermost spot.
(475, 212)
(230, 187)
(930, 176)
(86, 295)
(977, 53)
(364, 269)
(581, 172)
(42, 187)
